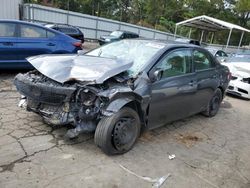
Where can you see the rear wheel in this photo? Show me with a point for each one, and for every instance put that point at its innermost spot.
(118, 133)
(214, 104)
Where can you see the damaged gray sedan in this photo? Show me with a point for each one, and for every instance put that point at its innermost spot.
(123, 88)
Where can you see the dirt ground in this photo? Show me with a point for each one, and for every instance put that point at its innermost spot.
(209, 152)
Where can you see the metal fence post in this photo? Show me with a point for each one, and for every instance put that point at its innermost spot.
(96, 28)
(119, 25)
(229, 36)
(29, 13)
(242, 34)
(33, 13)
(67, 21)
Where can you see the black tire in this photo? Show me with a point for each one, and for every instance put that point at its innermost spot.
(214, 104)
(118, 133)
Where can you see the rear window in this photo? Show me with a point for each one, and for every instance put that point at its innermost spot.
(29, 31)
(68, 30)
(50, 34)
(7, 29)
(202, 61)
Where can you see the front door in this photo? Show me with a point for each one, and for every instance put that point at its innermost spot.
(174, 93)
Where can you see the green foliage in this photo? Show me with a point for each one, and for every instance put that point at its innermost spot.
(162, 14)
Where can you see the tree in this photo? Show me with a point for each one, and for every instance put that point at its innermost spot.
(243, 10)
(161, 14)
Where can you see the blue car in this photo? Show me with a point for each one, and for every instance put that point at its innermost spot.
(19, 40)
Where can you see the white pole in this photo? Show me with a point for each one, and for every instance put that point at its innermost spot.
(212, 38)
(175, 32)
(228, 39)
(242, 34)
(190, 31)
(201, 36)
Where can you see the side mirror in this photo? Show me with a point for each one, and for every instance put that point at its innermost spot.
(157, 75)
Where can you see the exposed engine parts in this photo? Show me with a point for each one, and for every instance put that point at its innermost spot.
(68, 103)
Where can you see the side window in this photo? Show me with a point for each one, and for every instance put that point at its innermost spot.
(218, 54)
(176, 63)
(7, 29)
(28, 31)
(223, 54)
(202, 61)
(50, 34)
(68, 30)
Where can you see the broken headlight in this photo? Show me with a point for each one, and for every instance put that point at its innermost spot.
(246, 80)
(86, 97)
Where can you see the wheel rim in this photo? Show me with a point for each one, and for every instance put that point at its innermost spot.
(124, 133)
(215, 104)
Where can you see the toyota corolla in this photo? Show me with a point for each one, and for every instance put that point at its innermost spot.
(123, 88)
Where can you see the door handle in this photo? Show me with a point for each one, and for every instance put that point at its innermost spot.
(50, 44)
(7, 43)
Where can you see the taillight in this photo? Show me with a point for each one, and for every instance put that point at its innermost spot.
(77, 44)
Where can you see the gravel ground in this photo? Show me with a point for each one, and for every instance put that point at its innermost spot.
(209, 152)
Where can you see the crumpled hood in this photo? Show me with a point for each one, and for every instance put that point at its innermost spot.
(238, 68)
(89, 69)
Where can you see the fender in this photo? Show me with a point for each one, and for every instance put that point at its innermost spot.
(119, 101)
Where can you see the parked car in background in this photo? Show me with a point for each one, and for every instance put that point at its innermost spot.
(218, 54)
(68, 30)
(116, 36)
(19, 40)
(240, 82)
(243, 55)
(189, 41)
(123, 88)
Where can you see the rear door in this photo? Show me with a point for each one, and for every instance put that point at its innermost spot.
(35, 40)
(207, 77)
(8, 42)
(174, 94)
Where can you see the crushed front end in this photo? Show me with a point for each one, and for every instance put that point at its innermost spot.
(61, 104)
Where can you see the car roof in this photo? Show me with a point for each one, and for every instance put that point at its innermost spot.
(29, 23)
(167, 43)
(60, 25)
(34, 24)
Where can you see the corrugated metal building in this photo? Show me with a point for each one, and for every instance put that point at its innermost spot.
(9, 9)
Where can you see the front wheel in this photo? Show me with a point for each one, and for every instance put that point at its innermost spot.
(118, 133)
(214, 104)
